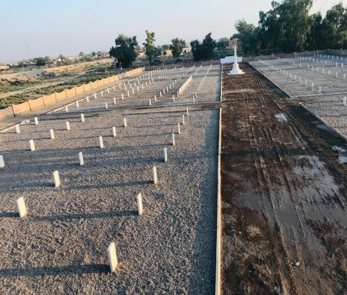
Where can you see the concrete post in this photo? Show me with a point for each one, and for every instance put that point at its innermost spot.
(112, 256)
(149, 102)
(139, 204)
(155, 175)
(82, 118)
(23, 213)
(187, 112)
(51, 132)
(32, 145)
(101, 142)
(165, 155)
(77, 104)
(2, 162)
(114, 100)
(183, 122)
(80, 158)
(173, 138)
(68, 126)
(17, 129)
(56, 178)
(125, 122)
(178, 128)
(36, 120)
(114, 132)
(106, 105)
(66, 109)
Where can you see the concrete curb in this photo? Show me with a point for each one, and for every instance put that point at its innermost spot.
(219, 198)
(338, 133)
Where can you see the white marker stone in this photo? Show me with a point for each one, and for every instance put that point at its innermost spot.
(183, 122)
(114, 132)
(155, 97)
(179, 128)
(80, 158)
(66, 109)
(2, 162)
(32, 145)
(155, 175)
(187, 112)
(87, 98)
(125, 122)
(114, 100)
(51, 133)
(106, 106)
(77, 104)
(139, 204)
(165, 155)
(122, 96)
(68, 126)
(56, 178)
(173, 138)
(128, 93)
(36, 120)
(101, 142)
(149, 102)
(17, 128)
(112, 256)
(82, 118)
(95, 95)
(23, 213)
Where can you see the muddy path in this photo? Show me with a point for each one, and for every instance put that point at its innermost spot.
(283, 192)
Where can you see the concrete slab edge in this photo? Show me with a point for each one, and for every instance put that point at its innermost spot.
(219, 198)
(338, 133)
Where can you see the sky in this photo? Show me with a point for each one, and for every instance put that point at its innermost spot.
(32, 28)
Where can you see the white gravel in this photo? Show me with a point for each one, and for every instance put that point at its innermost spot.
(61, 247)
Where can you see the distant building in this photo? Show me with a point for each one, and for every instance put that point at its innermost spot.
(4, 67)
(187, 49)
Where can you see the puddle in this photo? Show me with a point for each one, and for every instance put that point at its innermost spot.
(339, 149)
(281, 117)
(343, 159)
(342, 153)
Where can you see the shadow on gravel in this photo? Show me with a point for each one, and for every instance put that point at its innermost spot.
(9, 214)
(83, 216)
(58, 270)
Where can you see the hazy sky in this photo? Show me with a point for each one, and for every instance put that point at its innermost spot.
(31, 28)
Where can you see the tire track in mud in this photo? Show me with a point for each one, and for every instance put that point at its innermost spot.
(277, 149)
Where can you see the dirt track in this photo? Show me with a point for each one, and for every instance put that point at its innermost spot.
(284, 219)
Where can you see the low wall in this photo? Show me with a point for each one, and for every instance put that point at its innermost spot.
(184, 86)
(40, 103)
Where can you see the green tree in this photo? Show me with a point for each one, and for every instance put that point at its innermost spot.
(150, 49)
(249, 36)
(334, 28)
(285, 27)
(42, 61)
(203, 51)
(177, 47)
(125, 50)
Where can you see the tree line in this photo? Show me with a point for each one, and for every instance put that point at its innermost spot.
(288, 27)
(126, 48)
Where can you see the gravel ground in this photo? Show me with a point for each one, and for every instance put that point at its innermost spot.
(329, 103)
(293, 69)
(61, 246)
